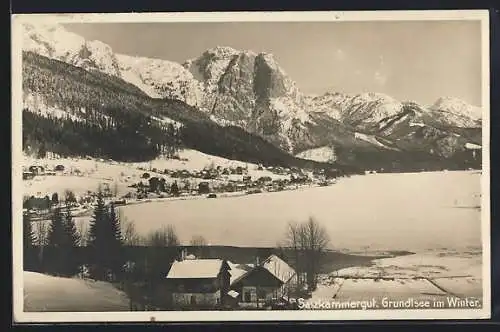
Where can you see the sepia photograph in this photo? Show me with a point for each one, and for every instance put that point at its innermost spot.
(250, 166)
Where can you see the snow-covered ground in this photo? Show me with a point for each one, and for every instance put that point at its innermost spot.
(434, 215)
(48, 293)
(425, 275)
(119, 175)
(322, 154)
(413, 212)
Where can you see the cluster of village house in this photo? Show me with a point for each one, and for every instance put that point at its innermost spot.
(34, 170)
(211, 283)
(207, 181)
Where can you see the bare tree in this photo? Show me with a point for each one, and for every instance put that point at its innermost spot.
(129, 233)
(69, 197)
(308, 241)
(292, 241)
(200, 244)
(163, 237)
(316, 240)
(198, 241)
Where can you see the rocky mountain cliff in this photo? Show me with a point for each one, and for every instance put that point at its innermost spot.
(250, 90)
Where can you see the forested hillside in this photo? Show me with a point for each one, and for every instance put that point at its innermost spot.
(81, 113)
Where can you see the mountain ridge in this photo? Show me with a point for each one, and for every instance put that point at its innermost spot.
(250, 90)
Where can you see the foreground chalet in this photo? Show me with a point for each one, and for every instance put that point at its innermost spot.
(268, 281)
(198, 282)
(209, 283)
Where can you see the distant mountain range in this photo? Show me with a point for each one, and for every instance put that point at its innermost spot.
(243, 89)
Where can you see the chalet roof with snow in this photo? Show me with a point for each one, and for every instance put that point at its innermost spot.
(279, 268)
(196, 269)
(274, 265)
(238, 270)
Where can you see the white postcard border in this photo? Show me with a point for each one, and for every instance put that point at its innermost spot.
(20, 316)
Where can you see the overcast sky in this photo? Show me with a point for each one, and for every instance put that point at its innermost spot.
(418, 61)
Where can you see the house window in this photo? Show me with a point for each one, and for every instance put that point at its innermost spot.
(247, 297)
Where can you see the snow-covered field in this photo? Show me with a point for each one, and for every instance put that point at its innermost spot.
(119, 175)
(48, 293)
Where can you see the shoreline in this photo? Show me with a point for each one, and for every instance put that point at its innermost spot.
(199, 197)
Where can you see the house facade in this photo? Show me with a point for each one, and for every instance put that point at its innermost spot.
(198, 283)
(267, 281)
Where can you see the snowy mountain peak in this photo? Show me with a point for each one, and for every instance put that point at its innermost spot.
(50, 40)
(221, 51)
(160, 78)
(55, 42)
(457, 105)
(458, 112)
(251, 90)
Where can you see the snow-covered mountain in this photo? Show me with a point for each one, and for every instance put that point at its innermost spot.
(250, 90)
(54, 41)
(455, 112)
(161, 78)
(361, 110)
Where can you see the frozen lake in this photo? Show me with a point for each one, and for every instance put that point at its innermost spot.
(416, 212)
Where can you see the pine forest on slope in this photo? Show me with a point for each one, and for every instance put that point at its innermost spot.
(103, 116)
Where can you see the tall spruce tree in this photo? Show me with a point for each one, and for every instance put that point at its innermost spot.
(72, 240)
(96, 240)
(56, 230)
(115, 239)
(105, 240)
(29, 249)
(56, 243)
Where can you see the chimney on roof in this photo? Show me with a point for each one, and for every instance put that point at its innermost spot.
(257, 261)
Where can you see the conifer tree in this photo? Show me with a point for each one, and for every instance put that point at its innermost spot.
(115, 240)
(70, 227)
(55, 199)
(174, 189)
(96, 240)
(105, 240)
(56, 230)
(29, 250)
(72, 240)
(55, 247)
(115, 225)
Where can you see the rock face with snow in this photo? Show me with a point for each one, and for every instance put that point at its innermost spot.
(161, 78)
(456, 112)
(53, 41)
(250, 90)
(362, 111)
